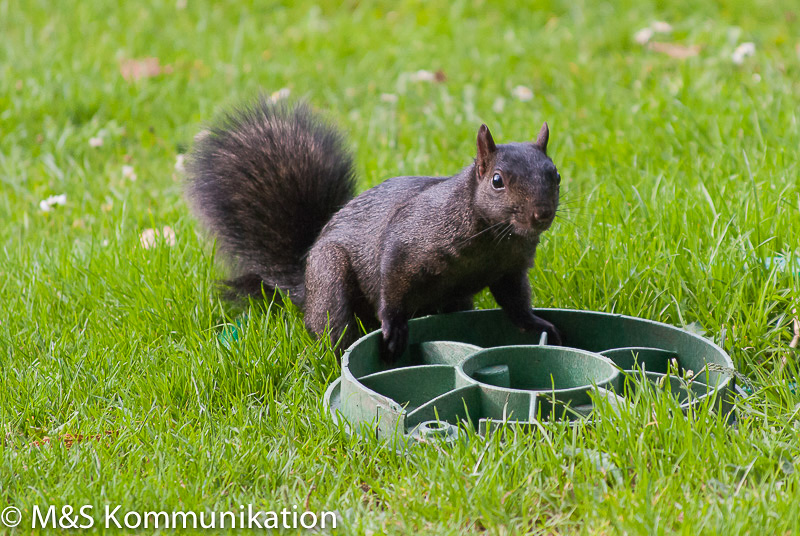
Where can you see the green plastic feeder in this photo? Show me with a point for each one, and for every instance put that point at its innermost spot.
(476, 369)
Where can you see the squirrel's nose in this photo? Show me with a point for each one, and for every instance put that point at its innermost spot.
(542, 214)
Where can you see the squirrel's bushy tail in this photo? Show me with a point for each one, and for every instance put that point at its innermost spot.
(265, 181)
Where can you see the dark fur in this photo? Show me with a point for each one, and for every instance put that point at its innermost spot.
(268, 180)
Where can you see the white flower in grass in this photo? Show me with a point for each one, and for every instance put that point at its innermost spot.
(282, 93)
(168, 235)
(660, 26)
(644, 35)
(179, 163)
(422, 76)
(128, 173)
(499, 105)
(522, 93)
(96, 141)
(149, 238)
(388, 97)
(742, 51)
(47, 204)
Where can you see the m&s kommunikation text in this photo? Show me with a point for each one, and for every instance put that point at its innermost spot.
(116, 516)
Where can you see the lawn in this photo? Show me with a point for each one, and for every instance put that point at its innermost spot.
(680, 165)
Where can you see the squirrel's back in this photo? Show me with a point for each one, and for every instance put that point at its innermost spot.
(265, 181)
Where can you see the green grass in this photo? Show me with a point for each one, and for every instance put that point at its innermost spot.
(680, 178)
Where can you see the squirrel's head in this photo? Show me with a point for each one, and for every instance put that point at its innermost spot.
(517, 183)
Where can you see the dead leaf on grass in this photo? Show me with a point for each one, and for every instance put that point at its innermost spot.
(133, 69)
(68, 440)
(674, 50)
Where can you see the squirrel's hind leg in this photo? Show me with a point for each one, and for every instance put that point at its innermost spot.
(330, 294)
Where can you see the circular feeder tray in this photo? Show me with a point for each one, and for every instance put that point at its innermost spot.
(476, 369)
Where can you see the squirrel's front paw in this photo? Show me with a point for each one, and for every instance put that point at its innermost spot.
(538, 324)
(394, 341)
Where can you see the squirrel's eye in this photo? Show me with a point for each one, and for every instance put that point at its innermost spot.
(558, 177)
(497, 182)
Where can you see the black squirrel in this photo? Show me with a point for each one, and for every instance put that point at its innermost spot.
(275, 184)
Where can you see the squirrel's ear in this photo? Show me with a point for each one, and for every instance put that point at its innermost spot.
(541, 139)
(486, 149)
